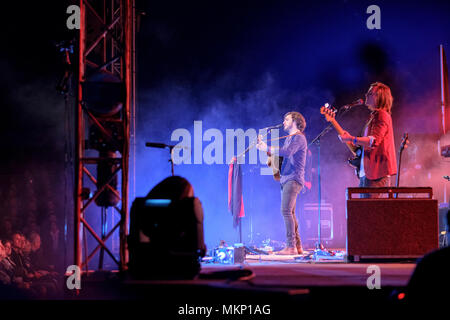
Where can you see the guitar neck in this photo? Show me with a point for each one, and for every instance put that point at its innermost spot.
(340, 131)
(337, 127)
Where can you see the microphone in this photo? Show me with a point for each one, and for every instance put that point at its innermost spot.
(163, 145)
(157, 145)
(274, 127)
(354, 104)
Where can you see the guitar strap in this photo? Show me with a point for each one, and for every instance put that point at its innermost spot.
(254, 144)
(363, 131)
(290, 135)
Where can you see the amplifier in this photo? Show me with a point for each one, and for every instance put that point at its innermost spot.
(403, 225)
(310, 222)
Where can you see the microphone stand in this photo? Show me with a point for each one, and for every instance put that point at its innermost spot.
(171, 159)
(242, 154)
(163, 146)
(235, 159)
(319, 247)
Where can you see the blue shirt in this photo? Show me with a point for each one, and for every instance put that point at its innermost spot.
(293, 152)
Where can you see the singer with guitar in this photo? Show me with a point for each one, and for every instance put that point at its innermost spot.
(291, 176)
(378, 160)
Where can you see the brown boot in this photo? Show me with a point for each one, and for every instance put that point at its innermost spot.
(287, 251)
(300, 249)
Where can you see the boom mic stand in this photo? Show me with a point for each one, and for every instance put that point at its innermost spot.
(163, 146)
(319, 248)
(64, 87)
(235, 159)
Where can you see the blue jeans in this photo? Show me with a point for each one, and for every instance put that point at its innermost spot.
(364, 182)
(289, 192)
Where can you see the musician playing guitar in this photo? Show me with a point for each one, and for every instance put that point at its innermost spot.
(378, 160)
(292, 175)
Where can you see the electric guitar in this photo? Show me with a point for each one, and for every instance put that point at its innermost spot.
(355, 161)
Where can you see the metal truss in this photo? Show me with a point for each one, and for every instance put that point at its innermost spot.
(106, 51)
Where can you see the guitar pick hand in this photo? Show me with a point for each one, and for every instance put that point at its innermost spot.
(346, 137)
(261, 145)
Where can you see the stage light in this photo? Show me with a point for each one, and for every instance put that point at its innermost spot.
(103, 96)
(229, 255)
(86, 193)
(110, 141)
(158, 202)
(166, 238)
(107, 198)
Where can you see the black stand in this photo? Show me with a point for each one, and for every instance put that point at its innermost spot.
(240, 230)
(64, 87)
(403, 145)
(103, 236)
(236, 160)
(250, 208)
(171, 160)
(319, 248)
(239, 218)
(163, 146)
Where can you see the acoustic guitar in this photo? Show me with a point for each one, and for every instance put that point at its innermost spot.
(275, 162)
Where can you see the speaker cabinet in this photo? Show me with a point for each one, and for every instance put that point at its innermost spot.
(401, 225)
(310, 222)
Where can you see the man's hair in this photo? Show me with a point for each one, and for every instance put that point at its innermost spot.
(298, 118)
(383, 94)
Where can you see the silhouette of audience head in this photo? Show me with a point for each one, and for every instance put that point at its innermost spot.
(2, 251)
(8, 247)
(35, 240)
(431, 277)
(17, 241)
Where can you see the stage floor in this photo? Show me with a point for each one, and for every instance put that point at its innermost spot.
(283, 281)
(287, 272)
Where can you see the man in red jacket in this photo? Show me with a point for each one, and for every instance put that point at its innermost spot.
(378, 161)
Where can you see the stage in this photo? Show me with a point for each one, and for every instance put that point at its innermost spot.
(283, 282)
(290, 274)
